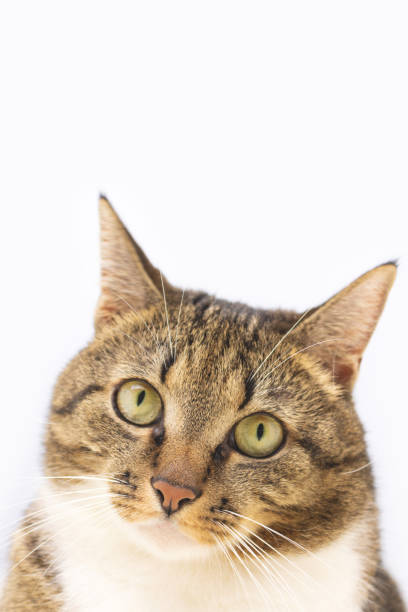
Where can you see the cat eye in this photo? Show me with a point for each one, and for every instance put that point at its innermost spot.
(138, 402)
(258, 435)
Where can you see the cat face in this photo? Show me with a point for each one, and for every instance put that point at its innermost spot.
(203, 419)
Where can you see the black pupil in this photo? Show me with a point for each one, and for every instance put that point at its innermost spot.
(260, 431)
(141, 397)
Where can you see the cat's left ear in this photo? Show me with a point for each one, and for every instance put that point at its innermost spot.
(128, 280)
(341, 328)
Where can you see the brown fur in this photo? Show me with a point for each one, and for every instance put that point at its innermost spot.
(33, 584)
(204, 363)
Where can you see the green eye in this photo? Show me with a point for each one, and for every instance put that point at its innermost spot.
(138, 402)
(258, 435)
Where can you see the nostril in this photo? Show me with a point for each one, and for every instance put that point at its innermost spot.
(172, 496)
(159, 493)
(183, 502)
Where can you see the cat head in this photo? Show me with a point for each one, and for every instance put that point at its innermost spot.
(202, 419)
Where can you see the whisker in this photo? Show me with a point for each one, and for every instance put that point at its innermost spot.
(281, 535)
(30, 553)
(34, 526)
(123, 300)
(363, 467)
(33, 499)
(115, 480)
(268, 559)
(155, 336)
(34, 513)
(23, 531)
(42, 543)
(34, 477)
(167, 315)
(260, 588)
(234, 568)
(178, 323)
(279, 563)
(144, 349)
(318, 585)
(279, 343)
(246, 542)
(136, 312)
(302, 350)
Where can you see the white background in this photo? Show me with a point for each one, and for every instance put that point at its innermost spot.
(255, 149)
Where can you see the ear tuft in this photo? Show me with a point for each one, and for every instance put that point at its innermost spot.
(102, 196)
(128, 279)
(342, 327)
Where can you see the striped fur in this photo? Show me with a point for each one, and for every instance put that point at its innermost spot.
(213, 362)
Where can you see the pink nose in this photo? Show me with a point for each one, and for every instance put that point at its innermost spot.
(172, 496)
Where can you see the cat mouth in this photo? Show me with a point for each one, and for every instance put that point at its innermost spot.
(164, 530)
(165, 538)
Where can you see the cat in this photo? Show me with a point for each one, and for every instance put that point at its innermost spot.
(205, 455)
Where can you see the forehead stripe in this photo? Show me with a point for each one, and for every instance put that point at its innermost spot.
(70, 406)
(249, 392)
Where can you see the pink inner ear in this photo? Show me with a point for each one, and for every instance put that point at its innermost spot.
(128, 280)
(343, 373)
(107, 307)
(350, 318)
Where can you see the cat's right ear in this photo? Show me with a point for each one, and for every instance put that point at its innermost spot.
(338, 332)
(128, 280)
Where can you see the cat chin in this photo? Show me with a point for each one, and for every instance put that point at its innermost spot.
(163, 538)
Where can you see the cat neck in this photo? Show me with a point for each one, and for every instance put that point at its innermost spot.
(98, 566)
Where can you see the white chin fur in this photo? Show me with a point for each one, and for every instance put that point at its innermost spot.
(104, 564)
(163, 538)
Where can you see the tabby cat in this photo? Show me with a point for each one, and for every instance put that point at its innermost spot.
(203, 455)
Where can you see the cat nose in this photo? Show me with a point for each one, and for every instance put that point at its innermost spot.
(172, 496)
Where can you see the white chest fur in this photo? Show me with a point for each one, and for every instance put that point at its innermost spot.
(101, 570)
